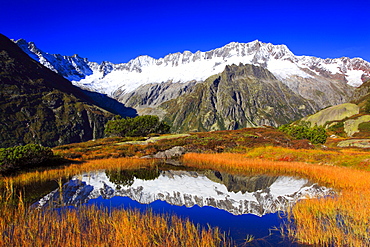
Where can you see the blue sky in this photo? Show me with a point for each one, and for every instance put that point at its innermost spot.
(117, 31)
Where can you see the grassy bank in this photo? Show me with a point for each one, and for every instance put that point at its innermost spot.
(340, 221)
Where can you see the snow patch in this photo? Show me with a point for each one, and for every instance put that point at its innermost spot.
(284, 69)
(354, 77)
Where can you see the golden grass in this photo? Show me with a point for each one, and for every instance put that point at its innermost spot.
(91, 226)
(340, 221)
(344, 157)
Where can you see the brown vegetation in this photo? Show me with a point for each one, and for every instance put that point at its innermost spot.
(238, 141)
(343, 220)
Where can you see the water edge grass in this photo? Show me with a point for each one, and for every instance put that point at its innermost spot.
(334, 221)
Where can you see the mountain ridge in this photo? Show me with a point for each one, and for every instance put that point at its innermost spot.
(108, 77)
(39, 106)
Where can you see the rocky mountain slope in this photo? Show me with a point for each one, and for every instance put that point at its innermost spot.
(39, 106)
(238, 195)
(241, 96)
(326, 81)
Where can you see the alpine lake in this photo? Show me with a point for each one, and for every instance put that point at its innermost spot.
(243, 207)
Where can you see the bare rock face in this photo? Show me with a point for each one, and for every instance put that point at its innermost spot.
(362, 93)
(153, 94)
(241, 96)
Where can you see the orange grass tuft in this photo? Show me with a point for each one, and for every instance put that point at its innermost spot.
(340, 221)
(92, 226)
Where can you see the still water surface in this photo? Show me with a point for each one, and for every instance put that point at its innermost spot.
(238, 205)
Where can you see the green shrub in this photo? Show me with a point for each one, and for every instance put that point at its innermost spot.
(316, 134)
(367, 106)
(338, 129)
(138, 126)
(22, 156)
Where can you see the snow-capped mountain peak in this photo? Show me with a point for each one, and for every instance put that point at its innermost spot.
(73, 68)
(185, 67)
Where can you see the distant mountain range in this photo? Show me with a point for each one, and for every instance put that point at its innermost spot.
(295, 86)
(238, 85)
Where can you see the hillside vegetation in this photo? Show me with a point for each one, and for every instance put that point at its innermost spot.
(39, 106)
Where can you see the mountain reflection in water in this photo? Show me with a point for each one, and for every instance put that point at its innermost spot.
(238, 205)
(258, 195)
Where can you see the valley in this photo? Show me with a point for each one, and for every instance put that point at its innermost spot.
(247, 129)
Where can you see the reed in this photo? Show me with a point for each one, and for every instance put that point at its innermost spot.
(92, 226)
(344, 157)
(343, 220)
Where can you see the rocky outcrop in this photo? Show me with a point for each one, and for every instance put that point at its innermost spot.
(174, 152)
(241, 96)
(359, 143)
(334, 113)
(351, 126)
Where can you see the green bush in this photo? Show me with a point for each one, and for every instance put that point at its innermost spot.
(22, 156)
(138, 126)
(316, 134)
(367, 106)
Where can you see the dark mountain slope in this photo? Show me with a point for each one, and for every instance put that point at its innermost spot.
(39, 106)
